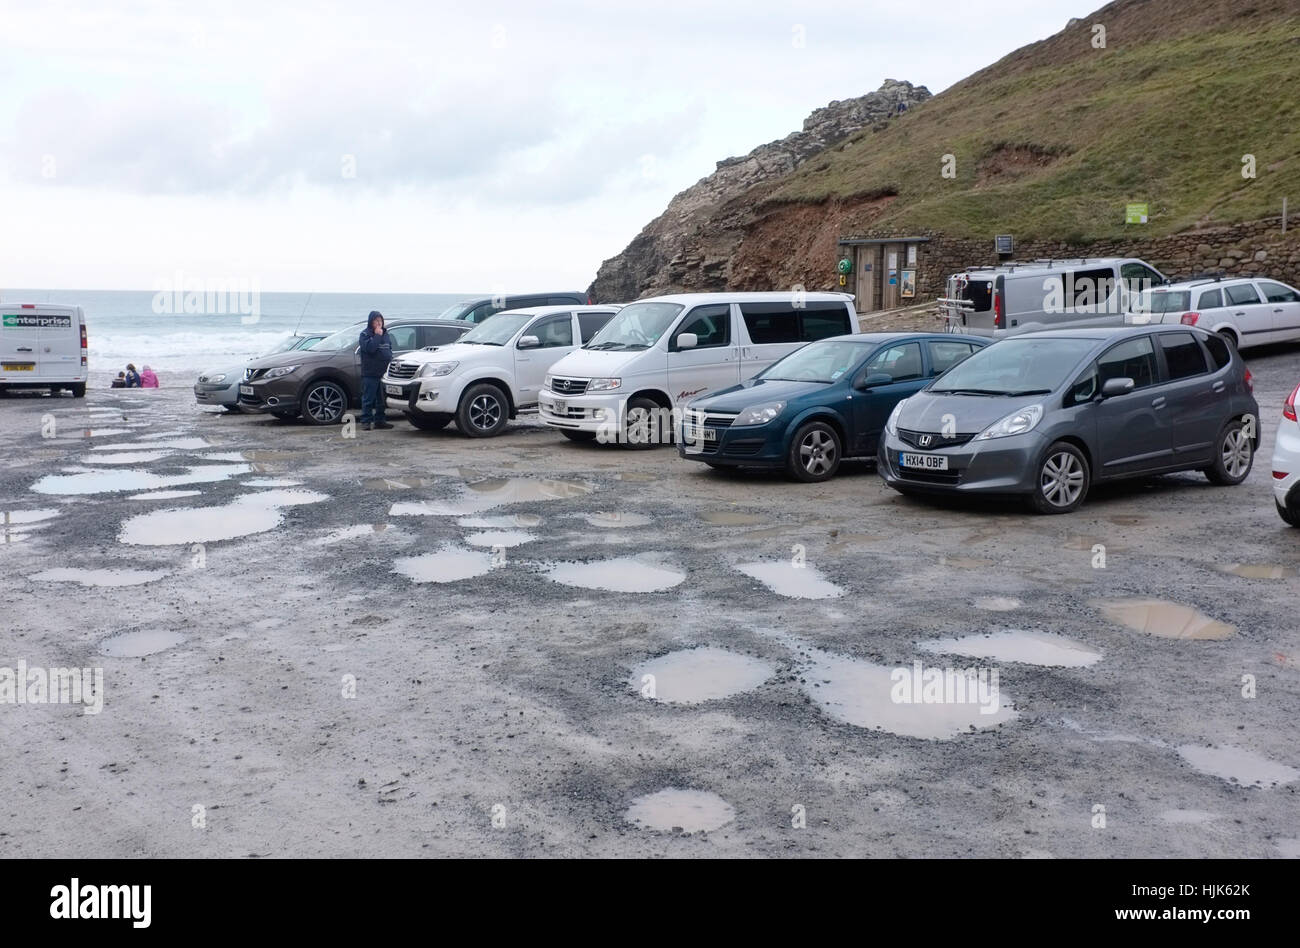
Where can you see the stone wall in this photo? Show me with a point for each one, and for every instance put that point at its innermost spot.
(1252, 248)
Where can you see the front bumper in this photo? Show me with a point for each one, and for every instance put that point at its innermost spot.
(219, 393)
(272, 395)
(1286, 458)
(997, 466)
(593, 413)
(438, 396)
(750, 446)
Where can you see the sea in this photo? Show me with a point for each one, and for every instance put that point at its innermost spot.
(152, 328)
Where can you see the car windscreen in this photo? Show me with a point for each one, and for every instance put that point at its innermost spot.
(457, 310)
(817, 362)
(1016, 366)
(343, 339)
(637, 326)
(496, 330)
(284, 345)
(1165, 301)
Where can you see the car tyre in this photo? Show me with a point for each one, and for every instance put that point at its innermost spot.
(484, 411)
(1234, 455)
(814, 453)
(324, 403)
(579, 436)
(1289, 515)
(79, 390)
(1062, 481)
(426, 421)
(639, 424)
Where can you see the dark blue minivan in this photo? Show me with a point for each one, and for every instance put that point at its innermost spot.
(818, 405)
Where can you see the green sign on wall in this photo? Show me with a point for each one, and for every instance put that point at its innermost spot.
(1135, 213)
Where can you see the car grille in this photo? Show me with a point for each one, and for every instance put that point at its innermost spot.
(402, 370)
(569, 386)
(913, 439)
(930, 477)
(710, 419)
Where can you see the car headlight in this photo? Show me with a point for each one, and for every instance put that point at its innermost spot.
(603, 385)
(213, 379)
(891, 426)
(437, 369)
(759, 414)
(546, 383)
(279, 371)
(1018, 422)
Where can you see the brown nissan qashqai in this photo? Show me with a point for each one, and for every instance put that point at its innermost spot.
(323, 382)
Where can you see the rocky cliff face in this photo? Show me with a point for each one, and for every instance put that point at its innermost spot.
(693, 244)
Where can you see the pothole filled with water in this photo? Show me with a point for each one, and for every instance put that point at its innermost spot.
(352, 533)
(125, 457)
(998, 603)
(504, 522)
(499, 538)
(613, 520)
(1260, 570)
(731, 518)
(1015, 645)
(108, 482)
(1238, 765)
(621, 574)
(681, 811)
(497, 492)
(166, 495)
(795, 581)
(140, 643)
(98, 577)
(447, 565)
(700, 674)
(244, 516)
(1167, 620)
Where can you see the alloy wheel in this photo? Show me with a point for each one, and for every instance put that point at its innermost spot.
(1061, 480)
(817, 452)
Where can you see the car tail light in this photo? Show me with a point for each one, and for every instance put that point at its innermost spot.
(997, 310)
(1190, 319)
(83, 335)
(1249, 380)
(1279, 475)
(1288, 406)
(591, 299)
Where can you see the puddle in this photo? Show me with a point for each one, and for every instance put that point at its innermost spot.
(98, 577)
(615, 519)
(221, 456)
(1260, 570)
(166, 495)
(1188, 816)
(701, 674)
(126, 457)
(108, 482)
(264, 456)
(271, 482)
(862, 693)
(964, 562)
(445, 566)
(101, 432)
(183, 444)
(1238, 765)
(1014, 645)
(506, 522)
(244, 516)
(499, 538)
(175, 432)
(685, 811)
(484, 495)
(395, 483)
(998, 604)
(621, 574)
(138, 644)
(29, 516)
(1168, 620)
(352, 533)
(731, 518)
(796, 582)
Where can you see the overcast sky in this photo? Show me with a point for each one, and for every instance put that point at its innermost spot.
(403, 147)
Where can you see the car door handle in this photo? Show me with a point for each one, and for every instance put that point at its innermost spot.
(1219, 385)
(1278, 310)
(24, 348)
(1158, 402)
(1238, 314)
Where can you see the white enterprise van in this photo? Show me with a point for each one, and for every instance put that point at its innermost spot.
(43, 346)
(626, 384)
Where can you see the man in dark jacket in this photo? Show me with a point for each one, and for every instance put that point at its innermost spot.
(376, 353)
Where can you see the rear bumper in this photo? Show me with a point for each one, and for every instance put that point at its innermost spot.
(1286, 459)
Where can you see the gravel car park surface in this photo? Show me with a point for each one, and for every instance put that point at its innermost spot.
(503, 714)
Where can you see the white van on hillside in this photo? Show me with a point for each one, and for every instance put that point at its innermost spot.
(43, 345)
(657, 354)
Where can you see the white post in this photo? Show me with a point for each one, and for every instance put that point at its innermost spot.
(1284, 215)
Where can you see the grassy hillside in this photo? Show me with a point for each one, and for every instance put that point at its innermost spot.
(1056, 138)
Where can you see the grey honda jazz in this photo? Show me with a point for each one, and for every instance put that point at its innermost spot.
(1048, 414)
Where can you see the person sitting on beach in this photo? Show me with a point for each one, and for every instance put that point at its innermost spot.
(376, 352)
(147, 378)
(132, 376)
(120, 381)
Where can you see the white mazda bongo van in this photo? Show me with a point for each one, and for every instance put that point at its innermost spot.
(43, 345)
(625, 385)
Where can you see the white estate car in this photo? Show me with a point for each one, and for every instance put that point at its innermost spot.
(1286, 462)
(492, 372)
(1249, 311)
(659, 353)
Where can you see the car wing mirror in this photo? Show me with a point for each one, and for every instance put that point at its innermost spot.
(687, 340)
(529, 342)
(874, 380)
(1120, 386)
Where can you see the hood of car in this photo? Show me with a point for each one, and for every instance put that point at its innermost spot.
(453, 352)
(971, 414)
(737, 398)
(230, 372)
(299, 357)
(598, 363)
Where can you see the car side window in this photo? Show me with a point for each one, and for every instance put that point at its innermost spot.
(438, 335)
(1210, 299)
(591, 323)
(565, 300)
(1132, 359)
(1084, 388)
(1277, 293)
(554, 331)
(403, 337)
(1183, 355)
(1218, 349)
(944, 355)
(711, 324)
(1242, 294)
(481, 312)
(902, 363)
(1138, 277)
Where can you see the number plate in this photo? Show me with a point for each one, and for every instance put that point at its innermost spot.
(928, 462)
(245, 390)
(394, 390)
(694, 433)
(18, 367)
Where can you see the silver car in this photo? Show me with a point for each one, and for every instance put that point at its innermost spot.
(221, 386)
(1046, 415)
